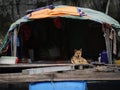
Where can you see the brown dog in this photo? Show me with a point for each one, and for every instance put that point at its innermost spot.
(77, 58)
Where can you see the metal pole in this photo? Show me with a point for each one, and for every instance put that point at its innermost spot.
(15, 43)
(107, 7)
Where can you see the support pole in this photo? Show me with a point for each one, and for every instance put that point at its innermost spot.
(107, 7)
(108, 45)
(15, 43)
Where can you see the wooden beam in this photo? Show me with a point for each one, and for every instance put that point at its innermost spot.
(21, 65)
(87, 74)
(47, 69)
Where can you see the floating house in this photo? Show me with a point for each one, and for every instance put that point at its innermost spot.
(53, 32)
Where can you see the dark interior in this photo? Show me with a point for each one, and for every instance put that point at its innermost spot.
(56, 38)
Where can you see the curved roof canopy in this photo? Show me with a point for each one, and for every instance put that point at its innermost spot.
(66, 12)
(73, 12)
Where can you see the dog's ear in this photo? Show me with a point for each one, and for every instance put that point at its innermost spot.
(81, 49)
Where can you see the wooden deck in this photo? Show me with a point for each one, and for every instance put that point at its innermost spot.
(77, 74)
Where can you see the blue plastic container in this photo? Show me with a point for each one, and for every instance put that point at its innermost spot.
(104, 57)
(59, 85)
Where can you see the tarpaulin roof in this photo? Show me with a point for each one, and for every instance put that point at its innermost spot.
(66, 12)
(73, 12)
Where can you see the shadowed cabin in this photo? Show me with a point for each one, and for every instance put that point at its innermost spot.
(58, 37)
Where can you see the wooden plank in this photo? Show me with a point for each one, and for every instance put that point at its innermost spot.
(21, 65)
(87, 74)
(33, 65)
(47, 69)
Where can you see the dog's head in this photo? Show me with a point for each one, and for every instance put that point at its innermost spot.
(78, 53)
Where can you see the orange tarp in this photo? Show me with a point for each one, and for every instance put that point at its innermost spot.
(39, 14)
(59, 11)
